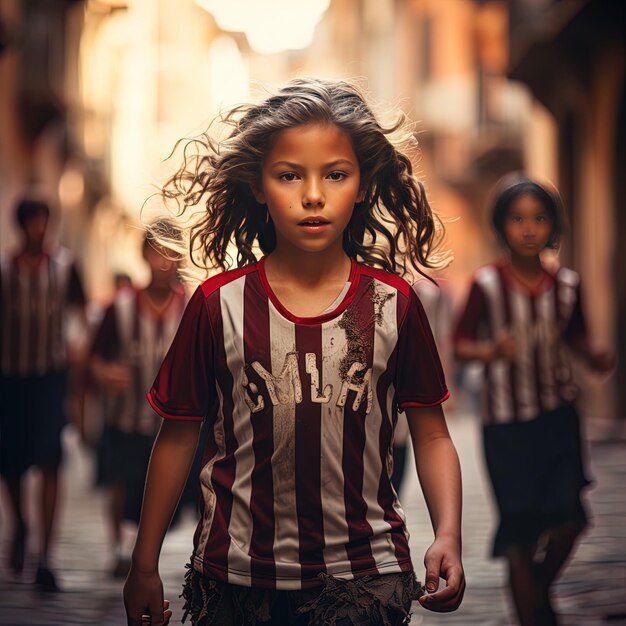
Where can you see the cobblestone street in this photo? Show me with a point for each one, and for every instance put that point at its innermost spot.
(591, 592)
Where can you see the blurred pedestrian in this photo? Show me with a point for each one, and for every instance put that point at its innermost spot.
(39, 286)
(519, 320)
(306, 350)
(437, 302)
(129, 345)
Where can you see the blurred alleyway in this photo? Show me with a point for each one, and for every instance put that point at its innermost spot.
(591, 592)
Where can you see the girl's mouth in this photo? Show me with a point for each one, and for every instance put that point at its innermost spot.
(313, 224)
(313, 221)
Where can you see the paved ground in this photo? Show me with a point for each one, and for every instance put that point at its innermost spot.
(591, 592)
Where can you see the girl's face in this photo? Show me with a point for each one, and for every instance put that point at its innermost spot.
(528, 226)
(162, 269)
(310, 181)
(35, 229)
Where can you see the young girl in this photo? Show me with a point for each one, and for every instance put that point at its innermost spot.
(518, 320)
(297, 360)
(129, 345)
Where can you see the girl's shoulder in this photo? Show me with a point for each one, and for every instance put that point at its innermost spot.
(566, 276)
(392, 280)
(489, 274)
(217, 281)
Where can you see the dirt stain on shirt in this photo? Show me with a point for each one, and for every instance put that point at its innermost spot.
(357, 337)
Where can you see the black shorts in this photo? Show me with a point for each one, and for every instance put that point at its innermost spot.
(371, 600)
(123, 458)
(32, 417)
(537, 474)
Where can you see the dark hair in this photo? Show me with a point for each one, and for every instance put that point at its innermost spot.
(28, 208)
(511, 187)
(393, 227)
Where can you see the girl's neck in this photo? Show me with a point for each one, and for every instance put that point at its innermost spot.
(32, 250)
(528, 269)
(306, 285)
(31, 257)
(159, 293)
(308, 269)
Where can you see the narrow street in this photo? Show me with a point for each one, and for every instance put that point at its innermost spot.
(591, 592)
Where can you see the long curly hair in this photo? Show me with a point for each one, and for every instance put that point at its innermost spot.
(393, 227)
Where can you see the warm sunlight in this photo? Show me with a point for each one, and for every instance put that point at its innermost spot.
(272, 26)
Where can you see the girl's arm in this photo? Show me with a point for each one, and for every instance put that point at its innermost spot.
(113, 377)
(598, 359)
(503, 347)
(467, 344)
(439, 473)
(577, 335)
(172, 456)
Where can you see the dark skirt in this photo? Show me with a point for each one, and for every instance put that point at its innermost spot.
(537, 474)
(123, 459)
(32, 418)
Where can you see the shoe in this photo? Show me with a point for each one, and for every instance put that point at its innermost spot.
(18, 549)
(45, 580)
(122, 567)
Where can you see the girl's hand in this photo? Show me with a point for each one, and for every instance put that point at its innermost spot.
(504, 346)
(443, 560)
(115, 378)
(143, 597)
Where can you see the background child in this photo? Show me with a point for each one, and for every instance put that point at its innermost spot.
(437, 303)
(39, 288)
(306, 351)
(128, 347)
(518, 320)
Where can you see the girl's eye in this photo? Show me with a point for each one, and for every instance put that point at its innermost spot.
(336, 175)
(516, 219)
(541, 218)
(288, 177)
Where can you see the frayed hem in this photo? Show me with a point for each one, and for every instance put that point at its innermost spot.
(381, 600)
(384, 600)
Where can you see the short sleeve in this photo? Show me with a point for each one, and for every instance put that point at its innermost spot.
(576, 328)
(184, 386)
(75, 291)
(419, 375)
(472, 320)
(106, 341)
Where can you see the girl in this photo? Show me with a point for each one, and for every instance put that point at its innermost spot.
(297, 360)
(518, 319)
(128, 348)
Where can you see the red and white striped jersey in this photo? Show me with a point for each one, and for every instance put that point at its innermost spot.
(133, 332)
(33, 313)
(296, 474)
(542, 321)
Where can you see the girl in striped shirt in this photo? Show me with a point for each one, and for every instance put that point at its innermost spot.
(519, 320)
(296, 360)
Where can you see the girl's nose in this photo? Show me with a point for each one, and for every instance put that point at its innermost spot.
(313, 194)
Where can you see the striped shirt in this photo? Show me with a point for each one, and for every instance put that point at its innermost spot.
(135, 333)
(33, 313)
(542, 321)
(296, 473)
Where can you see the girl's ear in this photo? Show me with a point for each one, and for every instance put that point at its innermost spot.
(258, 194)
(361, 195)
